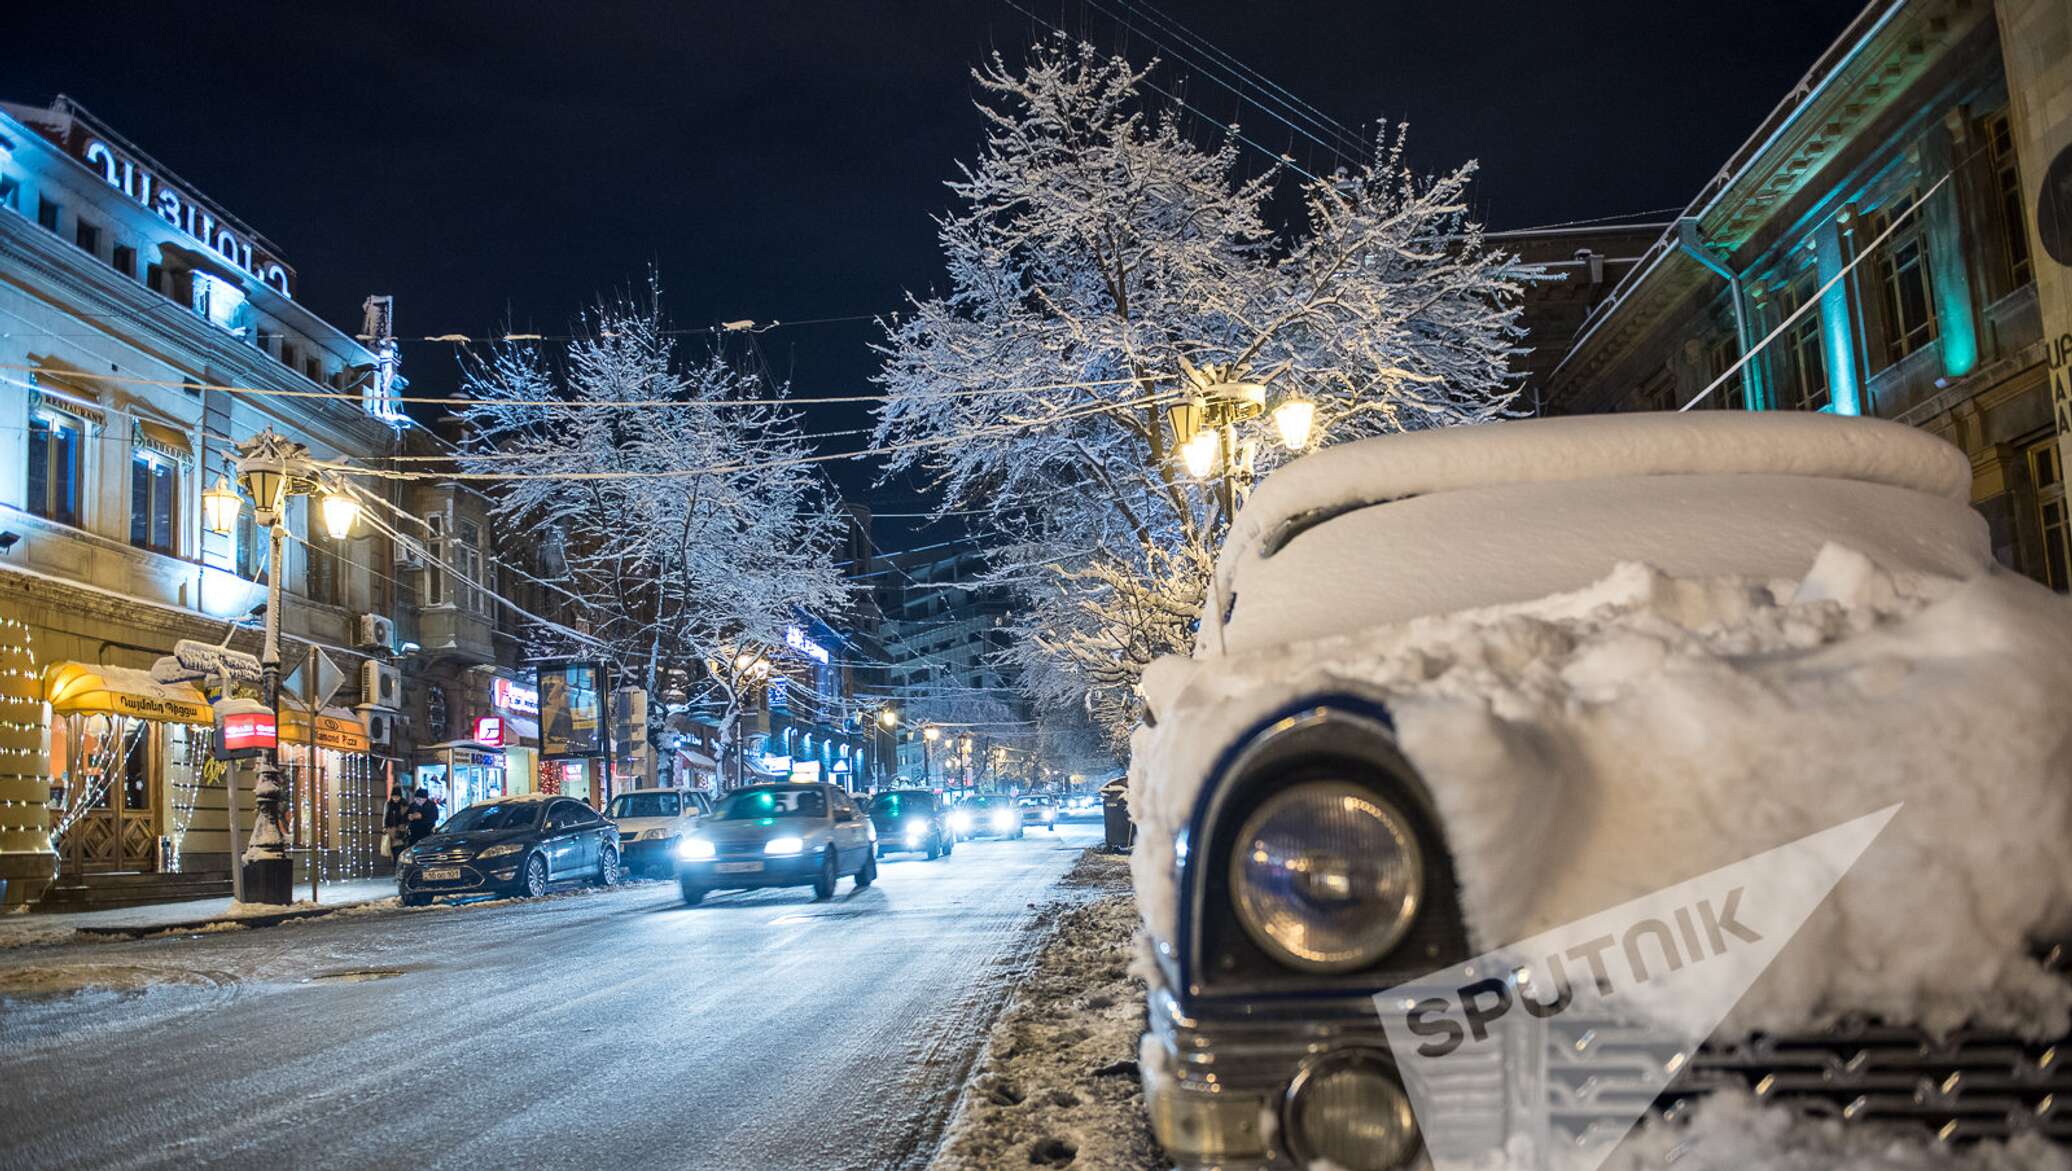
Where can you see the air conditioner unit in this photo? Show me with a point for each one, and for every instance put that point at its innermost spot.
(409, 556)
(377, 632)
(381, 727)
(381, 684)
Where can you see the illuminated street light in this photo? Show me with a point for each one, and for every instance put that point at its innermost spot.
(340, 511)
(888, 718)
(1293, 418)
(220, 507)
(1199, 453)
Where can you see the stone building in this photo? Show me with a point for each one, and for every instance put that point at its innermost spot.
(1893, 240)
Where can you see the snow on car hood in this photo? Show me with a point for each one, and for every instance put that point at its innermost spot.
(1594, 746)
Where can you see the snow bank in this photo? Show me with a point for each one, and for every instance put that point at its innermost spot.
(1056, 1085)
(1588, 748)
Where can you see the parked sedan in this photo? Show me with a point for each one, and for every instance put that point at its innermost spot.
(914, 820)
(519, 845)
(779, 835)
(992, 815)
(651, 822)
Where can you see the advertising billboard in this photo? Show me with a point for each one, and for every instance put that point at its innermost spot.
(571, 698)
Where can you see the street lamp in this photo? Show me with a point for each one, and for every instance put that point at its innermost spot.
(340, 511)
(888, 718)
(1205, 425)
(271, 468)
(929, 735)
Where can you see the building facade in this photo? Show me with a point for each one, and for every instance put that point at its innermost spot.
(1894, 241)
(943, 632)
(144, 333)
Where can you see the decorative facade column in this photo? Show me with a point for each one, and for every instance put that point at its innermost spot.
(1950, 245)
(2033, 37)
(1838, 340)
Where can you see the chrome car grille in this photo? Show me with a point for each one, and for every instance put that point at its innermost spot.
(445, 857)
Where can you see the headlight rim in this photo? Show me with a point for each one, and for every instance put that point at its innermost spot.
(500, 850)
(1276, 950)
(1331, 1061)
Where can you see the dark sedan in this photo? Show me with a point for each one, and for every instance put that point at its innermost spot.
(520, 845)
(778, 835)
(912, 819)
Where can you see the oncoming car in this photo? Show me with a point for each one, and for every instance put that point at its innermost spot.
(519, 845)
(1041, 810)
(651, 822)
(1460, 688)
(778, 835)
(991, 815)
(914, 820)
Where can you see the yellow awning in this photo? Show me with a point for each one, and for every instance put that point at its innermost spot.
(337, 727)
(123, 691)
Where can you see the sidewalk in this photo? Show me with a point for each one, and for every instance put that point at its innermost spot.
(23, 928)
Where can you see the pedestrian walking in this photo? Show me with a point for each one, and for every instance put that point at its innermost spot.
(395, 823)
(422, 815)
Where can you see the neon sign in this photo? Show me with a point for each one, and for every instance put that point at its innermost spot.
(196, 219)
(797, 640)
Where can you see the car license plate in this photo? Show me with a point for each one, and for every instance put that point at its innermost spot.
(444, 874)
(738, 867)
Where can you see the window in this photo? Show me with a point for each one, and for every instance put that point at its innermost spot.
(263, 339)
(288, 357)
(1801, 362)
(1732, 394)
(2047, 473)
(320, 560)
(154, 275)
(2007, 189)
(47, 213)
(86, 235)
(435, 568)
(124, 260)
(9, 189)
(154, 483)
(467, 561)
(250, 549)
(1903, 282)
(311, 370)
(54, 467)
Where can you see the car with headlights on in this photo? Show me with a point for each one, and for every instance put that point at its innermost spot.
(1457, 688)
(914, 821)
(778, 835)
(1041, 810)
(517, 845)
(651, 822)
(991, 815)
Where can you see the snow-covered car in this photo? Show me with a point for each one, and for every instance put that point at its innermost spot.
(651, 822)
(778, 835)
(1457, 688)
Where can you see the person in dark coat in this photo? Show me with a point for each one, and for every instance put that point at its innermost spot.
(422, 815)
(395, 825)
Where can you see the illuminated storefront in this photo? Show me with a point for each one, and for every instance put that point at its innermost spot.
(130, 770)
(337, 788)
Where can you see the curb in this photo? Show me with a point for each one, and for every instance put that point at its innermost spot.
(272, 919)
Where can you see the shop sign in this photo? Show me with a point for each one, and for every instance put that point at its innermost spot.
(805, 772)
(198, 220)
(345, 735)
(489, 730)
(513, 696)
(245, 734)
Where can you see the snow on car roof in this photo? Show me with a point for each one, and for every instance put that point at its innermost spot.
(1419, 463)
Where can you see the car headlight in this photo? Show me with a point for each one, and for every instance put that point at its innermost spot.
(499, 851)
(783, 846)
(916, 828)
(1003, 821)
(652, 835)
(1350, 1111)
(695, 849)
(1327, 876)
(960, 822)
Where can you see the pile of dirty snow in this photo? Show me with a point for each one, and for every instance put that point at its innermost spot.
(1057, 1084)
(1590, 748)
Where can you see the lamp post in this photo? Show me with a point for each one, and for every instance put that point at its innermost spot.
(1205, 426)
(929, 735)
(271, 468)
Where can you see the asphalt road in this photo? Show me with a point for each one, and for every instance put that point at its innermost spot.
(614, 1029)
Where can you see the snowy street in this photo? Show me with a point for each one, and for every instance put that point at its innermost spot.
(623, 1029)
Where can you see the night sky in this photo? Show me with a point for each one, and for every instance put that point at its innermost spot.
(493, 162)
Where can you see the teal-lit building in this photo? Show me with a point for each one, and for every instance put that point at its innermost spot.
(1940, 127)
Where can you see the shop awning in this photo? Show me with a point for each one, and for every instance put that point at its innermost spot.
(123, 691)
(337, 727)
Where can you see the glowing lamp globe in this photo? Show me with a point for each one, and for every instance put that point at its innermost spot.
(340, 511)
(1199, 453)
(220, 506)
(1294, 418)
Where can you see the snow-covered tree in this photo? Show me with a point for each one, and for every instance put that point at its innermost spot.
(688, 533)
(1095, 249)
